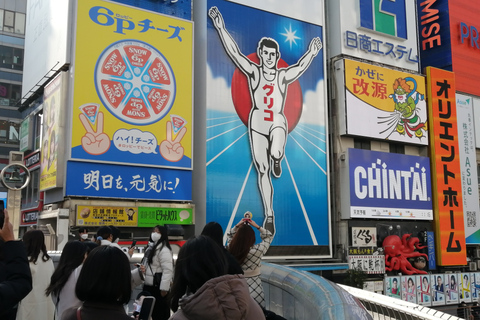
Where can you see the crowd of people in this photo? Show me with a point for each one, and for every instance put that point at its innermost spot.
(94, 278)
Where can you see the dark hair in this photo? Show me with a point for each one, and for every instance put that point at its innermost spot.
(269, 43)
(34, 241)
(83, 230)
(90, 245)
(425, 278)
(199, 260)
(241, 243)
(395, 280)
(163, 242)
(72, 256)
(104, 232)
(214, 231)
(105, 277)
(115, 232)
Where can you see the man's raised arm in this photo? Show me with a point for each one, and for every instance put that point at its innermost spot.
(242, 62)
(293, 72)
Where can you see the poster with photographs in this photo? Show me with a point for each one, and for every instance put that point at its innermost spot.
(393, 287)
(465, 288)
(475, 279)
(424, 290)
(438, 289)
(451, 281)
(409, 292)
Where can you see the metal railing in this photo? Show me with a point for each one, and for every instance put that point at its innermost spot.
(385, 308)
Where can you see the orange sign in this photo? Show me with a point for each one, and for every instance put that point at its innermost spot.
(447, 179)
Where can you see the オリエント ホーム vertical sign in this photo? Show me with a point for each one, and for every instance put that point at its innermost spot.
(445, 158)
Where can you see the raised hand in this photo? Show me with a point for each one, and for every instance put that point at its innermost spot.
(316, 45)
(172, 150)
(216, 17)
(94, 142)
(6, 231)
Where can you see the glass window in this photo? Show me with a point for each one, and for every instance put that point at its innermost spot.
(397, 148)
(19, 23)
(38, 130)
(9, 21)
(361, 144)
(1, 19)
(30, 194)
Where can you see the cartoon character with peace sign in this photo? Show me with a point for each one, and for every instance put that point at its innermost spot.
(94, 142)
(172, 150)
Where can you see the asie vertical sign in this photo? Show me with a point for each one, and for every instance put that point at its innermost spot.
(447, 184)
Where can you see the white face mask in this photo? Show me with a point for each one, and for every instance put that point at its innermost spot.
(84, 236)
(156, 236)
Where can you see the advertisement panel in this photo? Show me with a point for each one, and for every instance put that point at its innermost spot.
(393, 287)
(468, 166)
(465, 287)
(391, 102)
(180, 9)
(94, 216)
(409, 288)
(438, 286)
(133, 87)
(371, 264)
(51, 168)
(152, 216)
(257, 153)
(451, 288)
(124, 182)
(447, 183)
(24, 137)
(46, 39)
(432, 261)
(380, 31)
(448, 31)
(389, 186)
(424, 290)
(364, 236)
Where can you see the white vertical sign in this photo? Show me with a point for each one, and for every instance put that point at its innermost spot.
(468, 163)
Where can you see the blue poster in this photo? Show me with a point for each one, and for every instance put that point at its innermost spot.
(89, 179)
(178, 8)
(266, 124)
(389, 185)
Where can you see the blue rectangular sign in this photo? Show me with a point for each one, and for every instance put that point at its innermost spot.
(432, 264)
(389, 185)
(178, 8)
(434, 34)
(125, 182)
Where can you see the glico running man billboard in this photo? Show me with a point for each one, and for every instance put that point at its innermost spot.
(266, 128)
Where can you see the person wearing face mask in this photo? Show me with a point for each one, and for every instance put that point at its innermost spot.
(83, 233)
(116, 238)
(158, 259)
(104, 236)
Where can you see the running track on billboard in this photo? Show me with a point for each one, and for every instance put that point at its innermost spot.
(300, 208)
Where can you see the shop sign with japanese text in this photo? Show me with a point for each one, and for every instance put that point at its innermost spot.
(123, 182)
(445, 158)
(106, 215)
(391, 102)
(152, 216)
(380, 31)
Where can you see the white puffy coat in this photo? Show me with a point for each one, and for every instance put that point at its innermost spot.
(162, 262)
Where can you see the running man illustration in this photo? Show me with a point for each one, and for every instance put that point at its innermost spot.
(267, 124)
